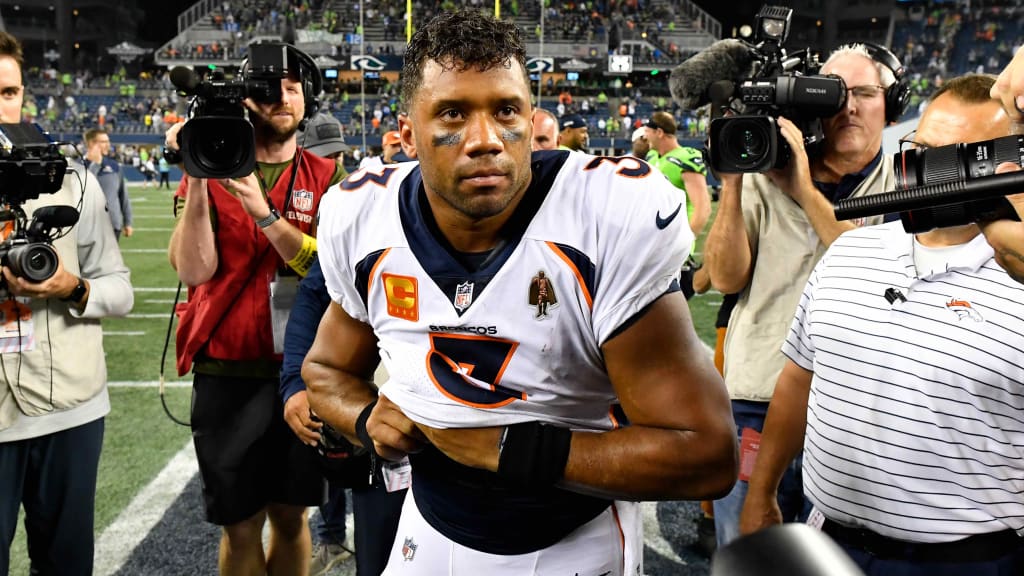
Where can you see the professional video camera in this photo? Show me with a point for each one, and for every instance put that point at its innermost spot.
(761, 81)
(218, 141)
(31, 165)
(947, 186)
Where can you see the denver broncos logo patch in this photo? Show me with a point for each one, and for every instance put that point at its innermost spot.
(963, 310)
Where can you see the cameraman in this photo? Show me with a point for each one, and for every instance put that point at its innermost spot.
(902, 381)
(769, 232)
(54, 398)
(1007, 236)
(234, 240)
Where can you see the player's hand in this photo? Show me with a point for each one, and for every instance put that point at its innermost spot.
(249, 193)
(394, 434)
(127, 231)
(701, 280)
(759, 512)
(474, 447)
(297, 415)
(795, 178)
(1009, 88)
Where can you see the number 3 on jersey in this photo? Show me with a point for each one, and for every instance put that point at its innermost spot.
(469, 368)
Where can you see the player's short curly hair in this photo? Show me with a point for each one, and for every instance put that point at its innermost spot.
(460, 40)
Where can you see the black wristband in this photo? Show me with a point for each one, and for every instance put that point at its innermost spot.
(361, 433)
(533, 455)
(77, 293)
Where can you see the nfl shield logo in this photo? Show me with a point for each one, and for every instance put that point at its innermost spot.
(303, 200)
(463, 296)
(408, 549)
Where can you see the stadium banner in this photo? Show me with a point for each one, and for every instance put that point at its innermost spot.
(376, 62)
(535, 65)
(579, 65)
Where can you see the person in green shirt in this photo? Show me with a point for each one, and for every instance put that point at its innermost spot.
(682, 165)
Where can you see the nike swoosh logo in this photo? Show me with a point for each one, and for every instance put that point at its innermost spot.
(663, 223)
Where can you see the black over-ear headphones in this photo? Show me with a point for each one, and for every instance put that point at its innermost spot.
(309, 76)
(897, 96)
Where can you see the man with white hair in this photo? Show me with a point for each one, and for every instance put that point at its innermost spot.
(770, 231)
(640, 144)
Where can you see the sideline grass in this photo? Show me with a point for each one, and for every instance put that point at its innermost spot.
(704, 307)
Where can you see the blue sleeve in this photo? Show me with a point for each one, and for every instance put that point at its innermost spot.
(311, 302)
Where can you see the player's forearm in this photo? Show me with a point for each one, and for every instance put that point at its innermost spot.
(727, 253)
(644, 463)
(193, 251)
(337, 397)
(699, 197)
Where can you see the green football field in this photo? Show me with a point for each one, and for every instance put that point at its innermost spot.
(140, 439)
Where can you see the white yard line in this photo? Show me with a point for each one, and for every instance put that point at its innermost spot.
(133, 524)
(152, 229)
(124, 333)
(652, 533)
(152, 289)
(149, 384)
(147, 316)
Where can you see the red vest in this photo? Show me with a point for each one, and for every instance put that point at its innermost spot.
(228, 317)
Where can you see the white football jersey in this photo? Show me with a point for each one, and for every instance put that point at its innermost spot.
(594, 241)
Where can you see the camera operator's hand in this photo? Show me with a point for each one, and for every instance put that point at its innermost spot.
(795, 178)
(1007, 236)
(60, 285)
(249, 193)
(1009, 87)
(296, 414)
(171, 136)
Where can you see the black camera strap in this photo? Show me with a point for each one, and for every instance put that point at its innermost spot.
(296, 164)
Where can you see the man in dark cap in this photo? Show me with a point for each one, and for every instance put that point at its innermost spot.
(573, 133)
(323, 137)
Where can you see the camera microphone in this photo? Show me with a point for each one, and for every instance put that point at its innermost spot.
(48, 217)
(943, 193)
(724, 60)
(184, 79)
(893, 294)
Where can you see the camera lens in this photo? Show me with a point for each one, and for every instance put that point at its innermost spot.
(219, 151)
(218, 147)
(746, 142)
(34, 262)
(752, 143)
(955, 162)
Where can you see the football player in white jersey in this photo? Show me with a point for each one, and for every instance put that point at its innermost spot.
(533, 411)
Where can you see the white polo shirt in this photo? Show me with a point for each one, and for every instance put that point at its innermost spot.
(915, 420)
